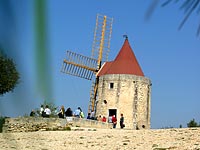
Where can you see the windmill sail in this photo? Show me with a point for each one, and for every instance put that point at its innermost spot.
(79, 65)
(85, 67)
(102, 36)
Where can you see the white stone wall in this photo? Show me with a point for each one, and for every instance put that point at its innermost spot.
(130, 95)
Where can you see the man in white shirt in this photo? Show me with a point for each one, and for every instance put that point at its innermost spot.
(47, 111)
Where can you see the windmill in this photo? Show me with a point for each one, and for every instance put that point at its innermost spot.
(86, 67)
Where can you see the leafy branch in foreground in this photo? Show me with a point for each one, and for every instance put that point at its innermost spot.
(187, 6)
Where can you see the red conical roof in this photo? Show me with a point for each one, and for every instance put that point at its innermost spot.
(124, 63)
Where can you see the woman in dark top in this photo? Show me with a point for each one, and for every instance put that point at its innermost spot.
(69, 112)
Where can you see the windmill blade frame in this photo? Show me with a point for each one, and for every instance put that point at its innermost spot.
(85, 67)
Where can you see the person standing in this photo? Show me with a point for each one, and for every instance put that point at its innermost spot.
(92, 115)
(42, 110)
(114, 121)
(122, 121)
(77, 112)
(61, 113)
(81, 114)
(47, 112)
(69, 112)
(110, 119)
(104, 119)
(89, 116)
(32, 114)
(99, 118)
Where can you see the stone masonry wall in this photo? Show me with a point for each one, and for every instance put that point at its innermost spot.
(31, 124)
(130, 95)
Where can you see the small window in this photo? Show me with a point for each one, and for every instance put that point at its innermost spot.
(111, 85)
(143, 126)
(105, 101)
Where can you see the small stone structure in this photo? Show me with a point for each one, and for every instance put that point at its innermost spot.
(31, 124)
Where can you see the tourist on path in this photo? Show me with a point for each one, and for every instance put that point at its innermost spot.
(122, 121)
(104, 119)
(114, 121)
(61, 113)
(32, 114)
(77, 112)
(47, 112)
(92, 115)
(69, 112)
(81, 114)
(89, 116)
(42, 110)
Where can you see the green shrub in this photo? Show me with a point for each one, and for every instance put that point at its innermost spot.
(51, 106)
(2, 121)
(192, 123)
(67, 128)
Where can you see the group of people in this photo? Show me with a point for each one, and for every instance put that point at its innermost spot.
(112, 119)
(46, 112)
(121, 122)
(91, 115)
(69, 113)
(98, 118)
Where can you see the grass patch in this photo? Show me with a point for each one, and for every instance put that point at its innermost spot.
(67, 128)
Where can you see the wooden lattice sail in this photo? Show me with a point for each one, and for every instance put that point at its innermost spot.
(102, 37)
(85, 67)
(79, 65)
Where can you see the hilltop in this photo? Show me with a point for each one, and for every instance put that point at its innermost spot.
(104, 139)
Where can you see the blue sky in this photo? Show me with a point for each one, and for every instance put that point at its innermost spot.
(170, 58)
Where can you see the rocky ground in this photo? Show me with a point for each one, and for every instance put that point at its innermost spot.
(103, 139)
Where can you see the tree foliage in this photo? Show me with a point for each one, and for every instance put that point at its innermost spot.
(192, 123)
(9, 75)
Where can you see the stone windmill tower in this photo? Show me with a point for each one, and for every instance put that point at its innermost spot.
(123, 89)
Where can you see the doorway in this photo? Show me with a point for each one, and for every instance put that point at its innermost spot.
(111, 113)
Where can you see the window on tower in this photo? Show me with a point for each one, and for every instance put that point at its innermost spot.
(111, 85)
